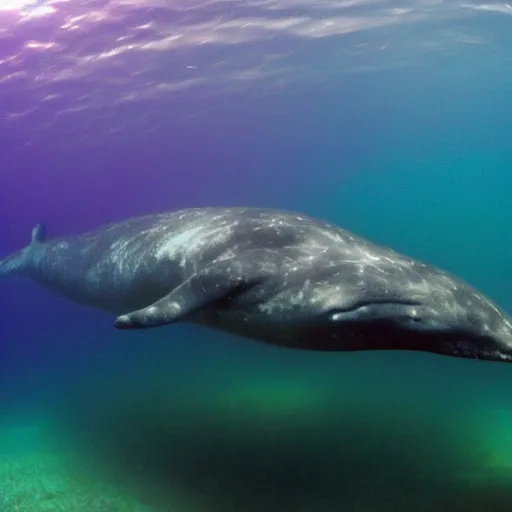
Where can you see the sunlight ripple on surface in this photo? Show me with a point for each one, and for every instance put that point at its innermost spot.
(117, 53)
(27, 8)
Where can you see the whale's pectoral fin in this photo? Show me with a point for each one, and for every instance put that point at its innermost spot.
(205, 288)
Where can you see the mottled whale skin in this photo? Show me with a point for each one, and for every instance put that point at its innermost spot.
(274, 276)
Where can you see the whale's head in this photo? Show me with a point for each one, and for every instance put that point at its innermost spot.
(425, 310)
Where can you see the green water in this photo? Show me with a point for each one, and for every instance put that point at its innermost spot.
(267, 430)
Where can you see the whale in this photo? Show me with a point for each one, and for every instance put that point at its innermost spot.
(274, 276)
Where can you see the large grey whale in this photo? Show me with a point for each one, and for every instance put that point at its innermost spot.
(274, 276)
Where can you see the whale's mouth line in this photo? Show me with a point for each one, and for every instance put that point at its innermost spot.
(379, 302)
(349, 312)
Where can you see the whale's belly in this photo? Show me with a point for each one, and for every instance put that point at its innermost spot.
(122, 287)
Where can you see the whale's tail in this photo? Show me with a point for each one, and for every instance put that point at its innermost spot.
(15, 262)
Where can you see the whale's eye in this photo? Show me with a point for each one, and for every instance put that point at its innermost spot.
(415, 316)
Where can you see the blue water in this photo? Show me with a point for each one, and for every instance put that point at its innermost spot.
(391, 119)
